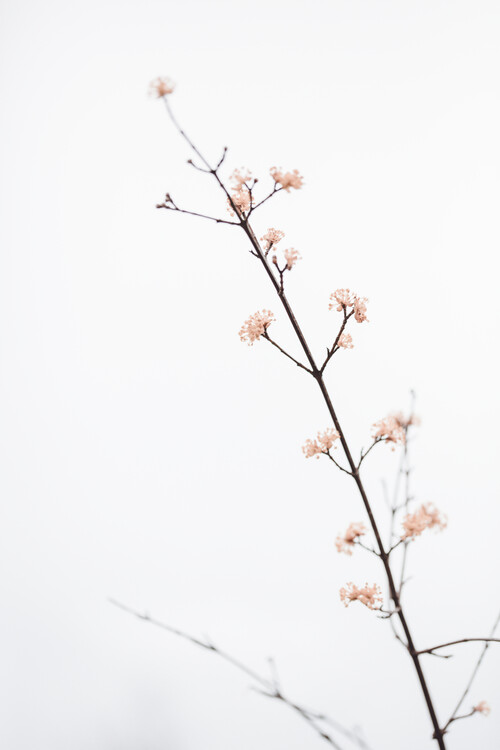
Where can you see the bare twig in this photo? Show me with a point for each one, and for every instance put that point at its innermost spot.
(474, 673)
(268, 687)
(266, 336)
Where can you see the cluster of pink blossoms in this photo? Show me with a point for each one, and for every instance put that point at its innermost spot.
(240, 194)
(323, 443)
(482, 708)
(426, 517)
(370, 596)
(253, 328)
(341, 299)
(287, 180)
(406, 422)
(391, 430)
(345, 341)
(271, 237)
(346, 543)
(161, 87)
(291, 257)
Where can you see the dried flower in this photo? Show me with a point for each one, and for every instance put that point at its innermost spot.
(271, 237)
(426, 517)
(360, 309)
(390, 430)
(345, 341)
(370, 596)
(240, 194)
(291, 257)
(482, 708)
(287, 180)
(323, 443)
(341, 299)
(161, 87)
(256, 325)
(346, 543)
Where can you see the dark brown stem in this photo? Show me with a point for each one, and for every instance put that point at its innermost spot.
(318, 376)
(454, 643)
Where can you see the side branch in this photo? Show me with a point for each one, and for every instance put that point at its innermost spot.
(267, 686)
(454, 643)
(266, 336)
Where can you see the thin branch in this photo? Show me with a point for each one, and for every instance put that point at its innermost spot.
(266, 336)
(194, 213)
(454, 643)
(268, 687)
(335, 347)
(258, 205)
(473, 675)
(327, 453)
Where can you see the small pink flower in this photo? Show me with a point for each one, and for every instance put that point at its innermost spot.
(271, 237)
(323, 443)
(291, 257)
(426, 517)
(360, 309)
(161, 87)
(345, 341)
(255, 326)
(242, 200)
(287, 180)
(482, 708)
(239, 178)
(341, 299)
(346, 543)
(390, 430)
(370, 596)
(406, 422)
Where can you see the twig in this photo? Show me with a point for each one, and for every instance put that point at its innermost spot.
(474, 673)
(268, 687)
(454, 643)
(266, 336)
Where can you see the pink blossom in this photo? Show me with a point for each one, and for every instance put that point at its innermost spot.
(271, 237)
(406, 422)
(240, 193)
(287, 180)
(390, 430)
(345, 341)
(360, 309)
(291, 257)
(426, 517)
(322, 444)
(370, 596)
(482, 708)
(161, 87)
(346, 543)
(255, 326)
(341, 299)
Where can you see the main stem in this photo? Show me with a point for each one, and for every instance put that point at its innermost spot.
(384, 556)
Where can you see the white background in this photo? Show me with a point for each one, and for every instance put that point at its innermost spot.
(147, 454)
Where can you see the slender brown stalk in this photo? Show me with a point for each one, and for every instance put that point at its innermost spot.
(269, 687)
(317, 374)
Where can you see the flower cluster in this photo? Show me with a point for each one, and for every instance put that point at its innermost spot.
(426, 517)
(482, 708)
(322, 444)
(287, 180)
(370, 596)
(240, 193)
(271, 237)
(345, 341)
(291, 257)
(161, 87)
(253, 328)
(341, 299)
(346, 543)
(390, 430)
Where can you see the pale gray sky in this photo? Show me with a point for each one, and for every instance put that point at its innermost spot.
(148, 455)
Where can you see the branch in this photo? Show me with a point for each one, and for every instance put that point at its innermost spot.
(173, 207)
(473, 675)
(266, 336)
(268, 687)
(335, 347)
(454, 643)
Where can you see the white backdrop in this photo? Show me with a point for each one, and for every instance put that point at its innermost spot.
(149, 455)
